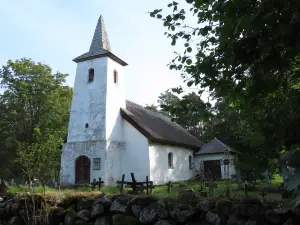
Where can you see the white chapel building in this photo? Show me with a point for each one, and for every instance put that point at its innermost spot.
(109, 136)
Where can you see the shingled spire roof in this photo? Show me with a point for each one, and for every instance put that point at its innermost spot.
(100, 40)
(100, 46)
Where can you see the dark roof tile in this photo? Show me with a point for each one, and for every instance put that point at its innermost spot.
(158, 128)
(214, 147)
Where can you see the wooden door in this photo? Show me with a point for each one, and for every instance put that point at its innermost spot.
(212, 168)
(82, 170)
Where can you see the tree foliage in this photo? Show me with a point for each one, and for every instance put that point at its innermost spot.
(246, 54)
(34, 112)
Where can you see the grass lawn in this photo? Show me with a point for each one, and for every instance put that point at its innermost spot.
(161, 191)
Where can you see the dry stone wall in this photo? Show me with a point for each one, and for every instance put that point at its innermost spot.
(138, 210)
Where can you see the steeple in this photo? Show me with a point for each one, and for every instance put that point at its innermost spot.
(100, 40)
(100, 46)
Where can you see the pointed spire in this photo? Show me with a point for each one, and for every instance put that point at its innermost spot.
(100, 40)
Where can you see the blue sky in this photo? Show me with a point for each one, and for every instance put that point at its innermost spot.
(55, 31)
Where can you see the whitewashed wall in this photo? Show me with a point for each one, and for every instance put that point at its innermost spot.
(159, 171)
(97, 104)
(201, 158)
(136, 155)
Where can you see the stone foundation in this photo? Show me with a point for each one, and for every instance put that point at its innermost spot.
(130, 210)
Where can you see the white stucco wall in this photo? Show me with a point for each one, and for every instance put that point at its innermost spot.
(201, 158)
(136, 155)
(71, 151)
(98, 104)
(159, 171)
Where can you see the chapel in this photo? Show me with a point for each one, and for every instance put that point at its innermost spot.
(109, 136)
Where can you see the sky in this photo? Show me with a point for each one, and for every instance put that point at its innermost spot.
(55, 32)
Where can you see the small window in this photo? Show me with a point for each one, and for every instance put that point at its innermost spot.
(91, 75)
(86, 125)
(190, 162)
(115, 76)
(170, 160)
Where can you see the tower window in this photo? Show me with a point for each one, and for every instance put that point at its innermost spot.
(91, 75)
(86, 125)
(115, 76)
(170, 160)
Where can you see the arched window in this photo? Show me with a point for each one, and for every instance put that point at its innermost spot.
(190, 162)
(115, 76)
(91, 75)
(86, 125)
(170, 160)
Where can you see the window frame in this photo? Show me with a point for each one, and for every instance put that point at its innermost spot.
(170, 161)
(115, 75)
(190, 162)
(91, 75)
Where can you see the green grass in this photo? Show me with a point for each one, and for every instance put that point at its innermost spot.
(161, 191)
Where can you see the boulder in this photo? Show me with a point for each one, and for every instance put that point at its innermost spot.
(272, 217)
(186, 196)
(233, 220)
(104, 200)
(119, 219)
(2, 211)
(213, 218)
(205, 205)
(98, 209)
(224, 206)
(105, 220)
(165, 222)
(16, 221)
(70, 217)
(85, 203)
(251, 222)
(162, 211)
(181, 213)
(138, 203)
(2, 205)
(84, 215)
(56, 215)
(14, 209)
(121, 204)
(148, 214)
(1, 200)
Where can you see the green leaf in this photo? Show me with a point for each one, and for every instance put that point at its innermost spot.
(186, 45)
(189, 49)
(190, 83)
(172, 28)
(159, 16)
(173, 41)
(189, 61)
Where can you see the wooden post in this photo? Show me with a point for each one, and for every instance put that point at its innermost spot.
(100, 183)
(246, 189)
(147, 186)
(94, 184)
(122, 184)
(151, 186)
(169, 186)
(133, 183)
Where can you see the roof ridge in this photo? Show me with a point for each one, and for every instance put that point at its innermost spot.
(148, 110)
(207, 143)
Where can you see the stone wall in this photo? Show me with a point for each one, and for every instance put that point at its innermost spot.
(130, 210)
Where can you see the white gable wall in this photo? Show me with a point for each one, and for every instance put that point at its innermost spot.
(201, 158)
(135, 158)
(159, 171)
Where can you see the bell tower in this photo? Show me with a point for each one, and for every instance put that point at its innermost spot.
(95, 127)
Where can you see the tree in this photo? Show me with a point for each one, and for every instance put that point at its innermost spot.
(34, 114)
(246, 54)
(245, 51)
